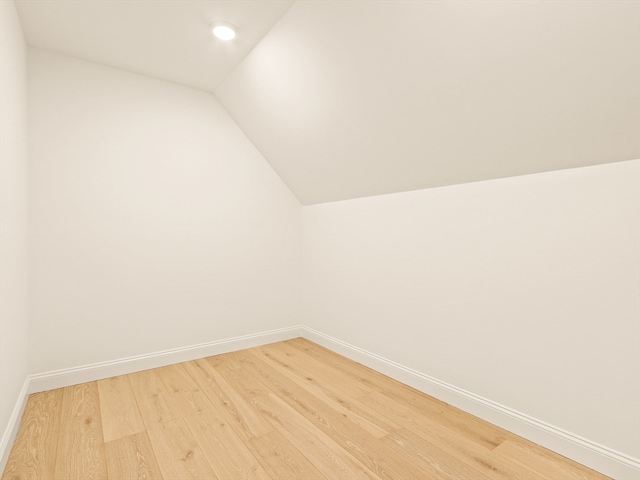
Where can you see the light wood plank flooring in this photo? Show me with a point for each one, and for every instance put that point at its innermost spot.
(290, 410)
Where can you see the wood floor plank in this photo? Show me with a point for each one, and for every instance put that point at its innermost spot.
(237, 411)
(277, 456)
(80, 453)
(423, 414)
(323, 452)
(328, 385)
(431, 458)
(282, 460)
(132, 458)
(118, 408)
(177, 452)
(465, 449)
(34, 452)
(291, 410)
(546, 463)
(448, 416)
(299, 361)
(225, 451)
(375, 456)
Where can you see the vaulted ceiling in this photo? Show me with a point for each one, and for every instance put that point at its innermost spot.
(356, 98)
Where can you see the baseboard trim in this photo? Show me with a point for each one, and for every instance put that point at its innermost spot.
(13, 426)
(603, 459)
(98, 371)
(598, 457)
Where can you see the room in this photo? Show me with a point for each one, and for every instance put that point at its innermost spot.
(446, 192)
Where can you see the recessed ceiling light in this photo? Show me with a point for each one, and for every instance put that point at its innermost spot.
(224, 31)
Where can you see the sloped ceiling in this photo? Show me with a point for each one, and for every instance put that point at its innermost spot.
(166, 39)
(355, 98)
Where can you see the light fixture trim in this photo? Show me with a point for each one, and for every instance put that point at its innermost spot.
(223, 31)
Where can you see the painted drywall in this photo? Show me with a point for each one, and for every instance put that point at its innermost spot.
(405, 95)
(155, 223)
(13, 212)
(524, 291)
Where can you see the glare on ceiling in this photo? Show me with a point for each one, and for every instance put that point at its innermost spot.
(224, 31)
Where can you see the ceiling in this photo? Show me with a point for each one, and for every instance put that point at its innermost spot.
(166, 39)
(350, 98)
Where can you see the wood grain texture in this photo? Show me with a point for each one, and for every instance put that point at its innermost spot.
(282, 460)
(132, 458)
(545, 463)
(375, 456)
(321, 450)
(450, 417)
(247, 422)
(336, 390)
(431, 458)
(118, 409)
(286, 411)
(80, 452)
(452, 442)
(178, 454)
(34, 452)
(226, 453)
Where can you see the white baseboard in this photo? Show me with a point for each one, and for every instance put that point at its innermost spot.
(13, 426)
(614, 464)
(598, 457)
(98, 371)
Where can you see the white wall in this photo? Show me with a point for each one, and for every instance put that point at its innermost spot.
(13, 212)
(522, 290)
(155, 223)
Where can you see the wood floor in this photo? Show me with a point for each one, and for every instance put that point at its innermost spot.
(290, 410)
